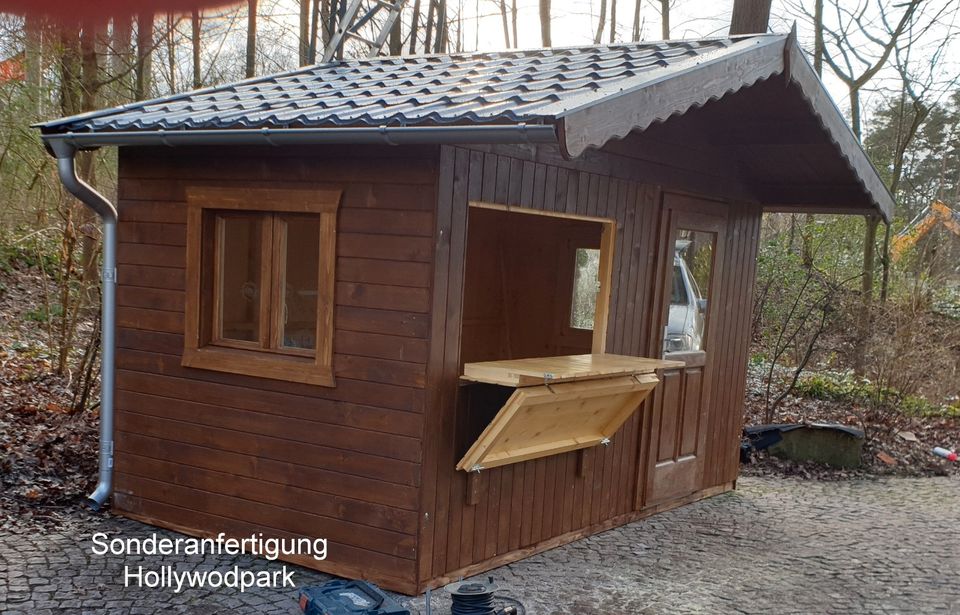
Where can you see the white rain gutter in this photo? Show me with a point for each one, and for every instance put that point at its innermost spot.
(64, 147)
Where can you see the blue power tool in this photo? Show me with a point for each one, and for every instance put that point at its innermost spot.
(348, 598)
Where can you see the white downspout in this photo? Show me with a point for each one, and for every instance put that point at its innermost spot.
(66, 168)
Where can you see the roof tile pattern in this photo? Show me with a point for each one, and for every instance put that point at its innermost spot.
(507, 87)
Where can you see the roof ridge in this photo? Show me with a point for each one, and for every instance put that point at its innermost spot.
(532, 50)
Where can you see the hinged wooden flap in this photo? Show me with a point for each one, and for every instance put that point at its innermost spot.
(530, 372)
(548, 419)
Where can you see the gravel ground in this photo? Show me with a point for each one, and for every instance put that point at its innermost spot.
(774, 546)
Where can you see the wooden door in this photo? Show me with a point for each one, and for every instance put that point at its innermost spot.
(691, 257)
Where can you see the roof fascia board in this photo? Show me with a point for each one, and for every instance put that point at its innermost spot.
(802, 73)
(613, 116)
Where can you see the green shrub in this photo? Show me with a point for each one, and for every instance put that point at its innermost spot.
(845, 388)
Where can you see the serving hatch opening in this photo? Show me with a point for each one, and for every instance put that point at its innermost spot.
(536, 284)
(536, 380)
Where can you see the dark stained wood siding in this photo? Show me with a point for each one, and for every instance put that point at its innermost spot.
(370, 464)
(725, 420)
(528, 506)
(205, 451)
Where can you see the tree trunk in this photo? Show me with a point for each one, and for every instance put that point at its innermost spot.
(602, 22)
(428, 33)
(866, 296)
(636, 21)
(613, 21)
(443, 28)
(144, 56)
(885, 263)
(195, 48)
(545, 23)
(818, 37)
(855, 111)
(750, 17)
(304, 48)
(33, 53)
(395, 43)
(665, 19)
(506, 27)
(414, 27)
(121, 59)
(171, 52)
(513, 22)
(251, 38)
(89, 85)
(319, 16)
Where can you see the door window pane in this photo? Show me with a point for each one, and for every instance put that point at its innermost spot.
(586, 285)
(301, 272)
(240, 278)
(689, 285)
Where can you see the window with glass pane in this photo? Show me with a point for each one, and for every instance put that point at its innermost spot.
(586, 285)
(239, 283)
(689, 286)
(260, 282)
(266, 279)
(299, 278)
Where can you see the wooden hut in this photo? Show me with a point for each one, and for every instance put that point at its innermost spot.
(417, 306)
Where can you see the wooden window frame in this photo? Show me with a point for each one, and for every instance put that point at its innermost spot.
(200, 349)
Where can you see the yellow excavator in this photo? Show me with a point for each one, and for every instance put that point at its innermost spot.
(936, 213)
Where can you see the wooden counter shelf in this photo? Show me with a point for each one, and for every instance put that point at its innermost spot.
(560, 404)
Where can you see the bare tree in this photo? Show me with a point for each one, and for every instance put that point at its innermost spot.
(171, 51)
(636, 21)
(545, 23)
(601, 23)
(920, 91)
(121, 57)
(431, 19)
(613, 21)
(506, 27)
(319, 14)
(513, 22)
(144, 66)
(251, 63)
(195, 24)
(395, 43)
(304, 46)
(855, 67)
(414, 26)
(665, 19)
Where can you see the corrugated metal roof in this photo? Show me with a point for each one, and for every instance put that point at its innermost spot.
(488, 88)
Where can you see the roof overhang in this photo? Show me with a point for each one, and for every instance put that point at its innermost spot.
(690, 87)
(766, 72)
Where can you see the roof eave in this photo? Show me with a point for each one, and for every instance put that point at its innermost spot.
(593, 125)
(388, 135)
(800, 71)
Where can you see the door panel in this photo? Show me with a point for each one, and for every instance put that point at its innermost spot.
(692, 232)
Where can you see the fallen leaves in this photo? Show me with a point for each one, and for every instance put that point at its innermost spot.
(48, 455)
(885, 458)
(905, 440)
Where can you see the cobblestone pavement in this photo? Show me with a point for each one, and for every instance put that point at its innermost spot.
(773, 546)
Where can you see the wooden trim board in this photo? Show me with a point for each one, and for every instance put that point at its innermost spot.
(538, 371)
